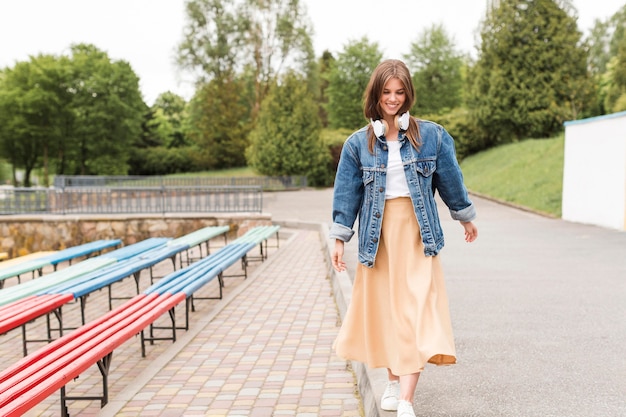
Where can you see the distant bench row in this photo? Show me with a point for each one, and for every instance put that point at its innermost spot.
(27, 301)
(50, 368)
(37, 263)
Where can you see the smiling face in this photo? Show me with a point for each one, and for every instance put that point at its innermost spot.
(392, 98)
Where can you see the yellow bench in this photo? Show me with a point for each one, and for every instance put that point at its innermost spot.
(23, 258)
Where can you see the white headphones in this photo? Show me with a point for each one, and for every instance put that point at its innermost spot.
(381, 126)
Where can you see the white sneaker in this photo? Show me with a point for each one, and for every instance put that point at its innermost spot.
(405, 409)
(389, 401)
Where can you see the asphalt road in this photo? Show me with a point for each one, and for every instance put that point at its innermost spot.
(538, 310)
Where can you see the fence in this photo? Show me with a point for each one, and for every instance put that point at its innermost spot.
(118, 200)
(266, 183)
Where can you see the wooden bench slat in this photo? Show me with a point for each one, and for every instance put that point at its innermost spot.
(34, 307)
(57, 257)
(38, 285)
(201, 235)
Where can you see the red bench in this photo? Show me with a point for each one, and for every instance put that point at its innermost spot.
(38, 375)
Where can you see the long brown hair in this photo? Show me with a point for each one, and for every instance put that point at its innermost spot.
(386, 70)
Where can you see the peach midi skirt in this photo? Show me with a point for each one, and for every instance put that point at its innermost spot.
(398, 317)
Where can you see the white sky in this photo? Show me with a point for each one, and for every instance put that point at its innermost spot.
(145, 32)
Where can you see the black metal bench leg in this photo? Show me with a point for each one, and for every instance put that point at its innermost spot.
(64, 411)
(104, 365)
(143, 342)
(188, 304)
(136, 275)
(173, 258)
(83, 302)
(24, 350)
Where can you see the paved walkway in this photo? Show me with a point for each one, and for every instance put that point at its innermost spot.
(538, 308)
(266, 352)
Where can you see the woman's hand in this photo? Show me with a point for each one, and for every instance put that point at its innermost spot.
(337, 256)
(471, 231)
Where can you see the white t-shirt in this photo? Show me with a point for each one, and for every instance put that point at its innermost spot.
(396, 179)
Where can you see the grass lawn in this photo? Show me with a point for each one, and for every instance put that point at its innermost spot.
(230, 172)
(528, 173)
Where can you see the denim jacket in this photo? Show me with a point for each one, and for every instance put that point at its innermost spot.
(361, 180)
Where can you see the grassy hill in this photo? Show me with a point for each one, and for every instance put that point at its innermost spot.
(527, 173)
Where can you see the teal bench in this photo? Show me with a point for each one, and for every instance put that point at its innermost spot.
(54, 259)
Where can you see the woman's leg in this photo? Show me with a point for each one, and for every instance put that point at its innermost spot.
(391, 376)
(389, 399)
(408, 383)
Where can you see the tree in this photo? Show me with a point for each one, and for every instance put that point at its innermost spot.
(286, 138)
(71, 115)
(604, 43)
(163, 146)
(237, 49)
(218, 124)
(347, 80)
(531, 73)
(324, 65)
(169, 111)
(615, 95)
(598, 46)
(261, 38)
(214, 36)
(278, 40)
(436, 67)
(33, 104)
(109, 111)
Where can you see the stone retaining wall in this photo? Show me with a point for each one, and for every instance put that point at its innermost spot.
(24, 234)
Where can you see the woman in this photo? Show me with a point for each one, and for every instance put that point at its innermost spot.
(387, 176)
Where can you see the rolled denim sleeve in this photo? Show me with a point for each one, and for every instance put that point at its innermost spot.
(449, 183)
(341, 232)
(348, 194)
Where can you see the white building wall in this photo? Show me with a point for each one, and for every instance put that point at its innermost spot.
(594, 172)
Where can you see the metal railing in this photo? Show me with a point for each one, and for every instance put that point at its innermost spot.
(141, 200)
(267, 183)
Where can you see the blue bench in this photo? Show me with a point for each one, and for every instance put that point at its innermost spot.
(197, 238)
(189, 280)
(73, 283)
(25, 302)
(55, 259)
(36, 376)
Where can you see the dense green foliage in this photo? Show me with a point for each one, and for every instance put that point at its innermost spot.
(614, 81)
(285, 140)
(258, 38)
(436, 66)
(347, 80)
(70, 115)
(218, 124)
(531, 74)
(527, 173)
(82, 113)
